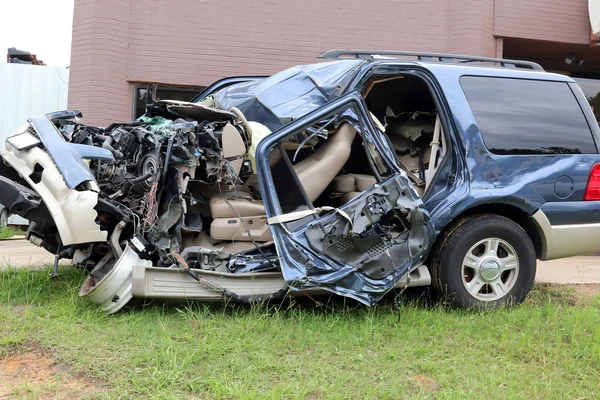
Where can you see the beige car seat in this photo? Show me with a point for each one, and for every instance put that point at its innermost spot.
(349, 186)
(236, 212)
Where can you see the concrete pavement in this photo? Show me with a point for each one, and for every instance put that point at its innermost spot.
(580, 269)
(19, 253)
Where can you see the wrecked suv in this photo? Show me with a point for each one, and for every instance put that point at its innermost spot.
(369, 172)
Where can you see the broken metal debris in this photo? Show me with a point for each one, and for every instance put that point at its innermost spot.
(179, 189)
(16, 56)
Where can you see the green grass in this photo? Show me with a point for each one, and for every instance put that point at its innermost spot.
(548, 348)
(9, 232)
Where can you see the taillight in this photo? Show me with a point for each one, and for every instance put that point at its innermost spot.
(592, 191)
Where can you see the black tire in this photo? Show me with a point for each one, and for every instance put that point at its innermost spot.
(3, 218)
(448, 274)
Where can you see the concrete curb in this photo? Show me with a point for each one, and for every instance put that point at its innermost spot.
(16, 237)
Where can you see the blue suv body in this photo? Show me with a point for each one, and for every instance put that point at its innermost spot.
(373, 172)
(518, 181)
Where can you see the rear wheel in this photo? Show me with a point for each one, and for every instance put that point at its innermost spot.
(484, 261)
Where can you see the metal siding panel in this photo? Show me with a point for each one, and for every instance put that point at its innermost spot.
(34, 96)
(27, 91)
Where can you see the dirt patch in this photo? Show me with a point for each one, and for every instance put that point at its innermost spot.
(315, 395)
(18, 310)
(425, 382)
(32, 372)
(573, 295)
(587, 291)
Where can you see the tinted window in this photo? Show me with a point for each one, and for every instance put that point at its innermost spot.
(591, 89)
(517, 116)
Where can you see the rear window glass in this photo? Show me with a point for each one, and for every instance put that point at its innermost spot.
(517, 116)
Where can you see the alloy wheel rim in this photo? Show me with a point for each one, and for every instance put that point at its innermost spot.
(490, 269)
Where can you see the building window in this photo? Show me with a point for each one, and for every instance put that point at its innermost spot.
(518, 116)
(142, 95)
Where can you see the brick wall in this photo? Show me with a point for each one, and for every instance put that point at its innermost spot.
(99, 56)
(471, 27)
(195, 42)
(198, 42)
(552, 20)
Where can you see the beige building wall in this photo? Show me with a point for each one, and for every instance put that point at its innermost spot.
(117, 43)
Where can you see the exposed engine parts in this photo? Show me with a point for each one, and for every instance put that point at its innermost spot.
(155, 158)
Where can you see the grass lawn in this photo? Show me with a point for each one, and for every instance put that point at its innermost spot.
(9, 232)
(53, 344)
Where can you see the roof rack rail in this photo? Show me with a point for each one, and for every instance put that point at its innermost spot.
(437, 57)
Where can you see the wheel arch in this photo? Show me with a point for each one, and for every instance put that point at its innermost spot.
(518, 215)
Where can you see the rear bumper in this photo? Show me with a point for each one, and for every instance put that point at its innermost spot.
(567, 240)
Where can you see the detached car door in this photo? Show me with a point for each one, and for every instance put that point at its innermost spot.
(359, 249)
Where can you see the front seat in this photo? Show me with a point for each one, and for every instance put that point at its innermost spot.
(235, 212)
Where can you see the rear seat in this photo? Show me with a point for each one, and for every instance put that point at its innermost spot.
(349, 186)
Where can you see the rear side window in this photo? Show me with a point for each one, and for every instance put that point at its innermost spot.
(518, 116)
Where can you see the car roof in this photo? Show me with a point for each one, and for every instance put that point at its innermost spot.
(454, 64)
(480, 70)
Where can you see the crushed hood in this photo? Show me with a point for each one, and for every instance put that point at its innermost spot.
(290, 94)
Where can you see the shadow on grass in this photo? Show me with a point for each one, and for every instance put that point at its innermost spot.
(418, 297)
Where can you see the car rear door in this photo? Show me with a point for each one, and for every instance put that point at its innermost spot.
(359, 249)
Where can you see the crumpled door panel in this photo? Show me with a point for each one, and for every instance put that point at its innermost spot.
(362, 249)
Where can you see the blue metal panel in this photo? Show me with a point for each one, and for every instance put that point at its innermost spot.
(572, 212)
(301, 265)
(289, 94)
(523, 181)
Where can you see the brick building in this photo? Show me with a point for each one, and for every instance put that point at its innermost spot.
(121, 46)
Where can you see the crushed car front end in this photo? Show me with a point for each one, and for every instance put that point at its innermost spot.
(170, 206)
